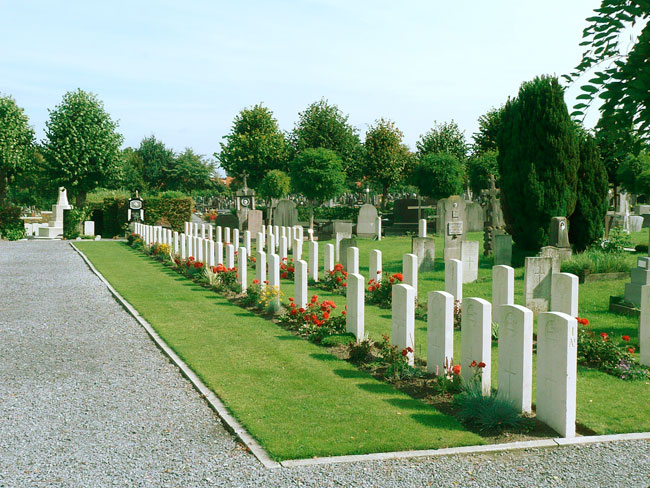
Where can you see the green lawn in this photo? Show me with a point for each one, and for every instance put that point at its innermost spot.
(297, 400)
(605, 404)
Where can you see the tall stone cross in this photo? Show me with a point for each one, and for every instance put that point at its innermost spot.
(490, 200)
(245, 176)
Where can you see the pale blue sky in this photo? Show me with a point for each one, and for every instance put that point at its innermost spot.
(182, 70)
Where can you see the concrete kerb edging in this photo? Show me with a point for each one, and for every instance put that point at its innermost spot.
(258, 451)
(215, 403)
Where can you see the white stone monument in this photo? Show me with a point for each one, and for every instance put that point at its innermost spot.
(328, 258)
(300, 283)
(440, 331)
(454, 278)
(54, 227)
(355, 294)
(242, 268)
(260, 268)
(403, 332)
(374, 270)
(313, 260)
(564, 293)
(476, 340)
(353, 260)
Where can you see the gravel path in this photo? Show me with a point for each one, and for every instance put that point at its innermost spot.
(87, 400)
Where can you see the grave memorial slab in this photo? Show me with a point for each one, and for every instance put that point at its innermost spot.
(260, 268)
(640, 278)
(328, 258)
(557, 347)
(503, 288)
(425, 250)
(450, 221)
(242, 268)
(344, 245)
(313, 260)
(476, 340)
(410, 271)
(564, 293)
(355, 295)
(403, 315)
(285, 213)
(374, 270)
(515, 375)
(469, 257)
(367, 222)
(644, 326)
(300, 284)
(454, 278)
(440, 331)
(537, 283)
(502, 249)
(352, 260)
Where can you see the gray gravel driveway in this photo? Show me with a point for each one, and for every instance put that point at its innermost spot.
(87, 400)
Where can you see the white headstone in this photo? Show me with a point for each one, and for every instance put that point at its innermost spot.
(476, 340)
(355, 294)
(203, 231)
(410, 271)
(379, 228)
(374, 270)
(183, 249)
(557, 349)
(454, 278)
(260, 268)
(230, 256)
(235, 238)
(503, 288)
(469, 257)
(328, 258)
(271, 244)
(89, 228)
(187, 228)
(199, 248)
(260, 242)
(644, 326)
(422, 228)
(274, 273)
(242, 268)
(440, 331)
(564, 293)
(313, 260)
(515, 375)
(403, 333)
(297, 250)
(176, 250)
(219, 235)
(300, 283)
(353, 260)
(218, 252)
(283, 247)
(210, 232)
(247, 241)
(226, 235)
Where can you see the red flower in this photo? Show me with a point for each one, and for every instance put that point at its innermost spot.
(291, 299)
(472, 364)
(293, 305)
(338, 279)
(481, 364)
(344, 285)
(392, 280)
(630, 350)
(604, 335)
(399, 276)
(326, 315)
(256, 282)
(301, 310)
(626, 338)
(314, 298)
(284, 275)
(313, 317)
(404, 352)
(456, 369)
(344, 312)
(294, 311)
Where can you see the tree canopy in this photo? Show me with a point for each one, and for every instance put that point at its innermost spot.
(16, 138)
(619, 69)
(385, 156)
(324, 125)
(485, 139)
(439, 175)
(157, 163)
(254, 145)
(82, 147)
(479, 168)
(443, 138)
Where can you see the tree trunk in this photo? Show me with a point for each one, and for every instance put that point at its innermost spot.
(311, 216)
(80, 199)
(384, 197)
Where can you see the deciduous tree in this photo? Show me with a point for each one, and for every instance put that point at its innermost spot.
(16, 138)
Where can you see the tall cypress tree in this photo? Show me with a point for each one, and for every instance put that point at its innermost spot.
(587, 222)
(538, 161)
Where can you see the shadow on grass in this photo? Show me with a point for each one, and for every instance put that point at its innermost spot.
(288, 338)
(383, 388)
(350, 373)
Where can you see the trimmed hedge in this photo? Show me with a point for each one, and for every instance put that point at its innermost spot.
(328, 213)
(11, 226)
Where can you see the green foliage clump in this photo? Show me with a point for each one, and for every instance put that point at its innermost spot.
(16, 137)
(443, 138)
(488, 129)
(12, 227)
(318, 175)
(385, 156)
(275, 185)
(439, 175)
(324, 125)
(82, 147)
(73, 219)
(338, 340)
(616, 242)
(490, 414)
(538, 161)
(254, 145)
(170, 208)
(360, 351)
(595, 260)
(631, 173)
(329, 213)
(479, 168)
(586, 223)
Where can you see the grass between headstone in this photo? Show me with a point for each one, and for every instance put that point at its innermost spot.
(605, 404)
(297, 400)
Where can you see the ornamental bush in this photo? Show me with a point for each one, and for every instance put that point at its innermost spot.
(11, 226)
(538, 161)
(337, 279)
(381, 292)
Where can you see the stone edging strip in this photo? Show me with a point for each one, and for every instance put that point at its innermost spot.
(511, 446)
(260, 453)
(215, 403)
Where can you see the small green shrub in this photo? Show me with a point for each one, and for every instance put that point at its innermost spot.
(490, 414)
(396, 360)
(381, 292)
(642, 248)
(448, 381)
(360, 351)
(617, 241)
(11, 226)
(338, 340)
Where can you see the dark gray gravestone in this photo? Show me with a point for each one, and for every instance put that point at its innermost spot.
(559, 234)
(403, 214)
(228, 220)
(343, 250)
(285, 214)
(425, 249)
(502, 249)
(367, 222)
